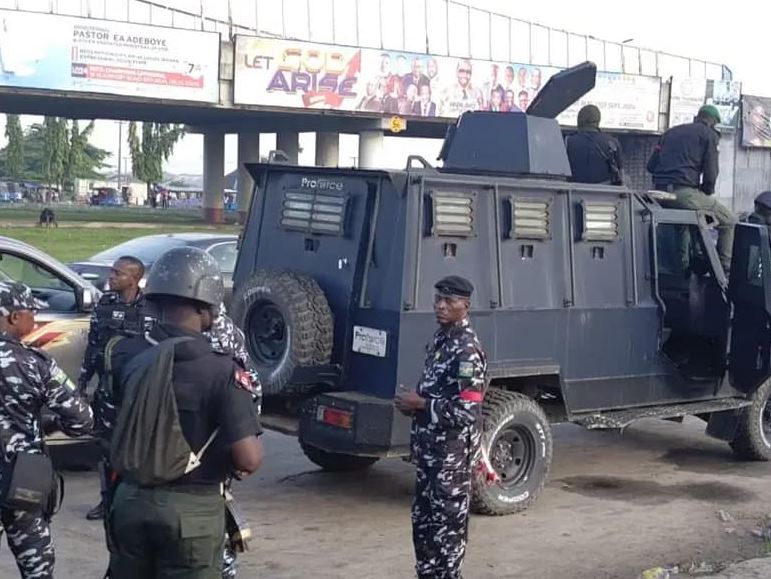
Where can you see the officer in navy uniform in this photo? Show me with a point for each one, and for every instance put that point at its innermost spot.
(120, 311)
(446, 433)
(212, 391)
(29, 380)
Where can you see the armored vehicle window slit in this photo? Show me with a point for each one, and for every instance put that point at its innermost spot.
(529, 218)
(599, 221)
(451, 215)
(316, 212)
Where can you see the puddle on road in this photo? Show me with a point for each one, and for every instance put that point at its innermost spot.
(651, 492)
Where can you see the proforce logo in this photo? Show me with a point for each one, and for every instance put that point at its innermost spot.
(321, 184)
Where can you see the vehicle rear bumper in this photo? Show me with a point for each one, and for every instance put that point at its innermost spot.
(371, 426)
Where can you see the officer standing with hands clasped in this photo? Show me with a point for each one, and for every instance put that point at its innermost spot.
(446, 433)
(122, 311)
(30, 380)
(165, 520)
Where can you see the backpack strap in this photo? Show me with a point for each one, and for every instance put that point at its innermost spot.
(195, 458)
(107, 361)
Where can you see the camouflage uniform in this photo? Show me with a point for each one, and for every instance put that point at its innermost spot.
(445, 440)
(111, 317)
(227, 338)
(29, 380)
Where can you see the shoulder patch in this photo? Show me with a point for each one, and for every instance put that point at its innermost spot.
(465, 370)
(243, 380)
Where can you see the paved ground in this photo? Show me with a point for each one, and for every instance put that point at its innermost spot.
(616, 505)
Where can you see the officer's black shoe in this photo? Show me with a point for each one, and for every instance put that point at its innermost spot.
(96, 513)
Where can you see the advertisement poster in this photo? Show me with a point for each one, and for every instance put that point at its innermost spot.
(688, 95)
(296, 74)
(756, 125)
(43, 51)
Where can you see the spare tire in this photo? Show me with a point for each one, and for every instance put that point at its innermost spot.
(287, 323)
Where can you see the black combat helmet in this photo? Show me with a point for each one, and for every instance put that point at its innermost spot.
(186, 272)
(764, 200)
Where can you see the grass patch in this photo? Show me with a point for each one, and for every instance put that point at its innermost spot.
(29, 213)
(75, 243)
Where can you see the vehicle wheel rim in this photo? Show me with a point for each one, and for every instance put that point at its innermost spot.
(268, 333)
(765, 423)
(512, 455)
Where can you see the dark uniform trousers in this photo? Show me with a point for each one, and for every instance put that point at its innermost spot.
(440, 520)
(30, 540)
(167, 531)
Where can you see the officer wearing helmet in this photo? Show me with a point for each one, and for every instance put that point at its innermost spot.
(176, 529)
(762, 213)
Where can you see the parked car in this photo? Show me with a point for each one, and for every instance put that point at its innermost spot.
(61, 329)
(149, 248)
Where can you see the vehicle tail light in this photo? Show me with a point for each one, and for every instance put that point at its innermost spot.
(335, 417)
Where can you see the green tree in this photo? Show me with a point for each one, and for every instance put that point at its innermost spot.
(89, 164)
(57, 144)
(15, 149)
(150, 150)
(78, 163)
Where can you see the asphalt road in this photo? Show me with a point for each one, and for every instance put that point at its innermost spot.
(616, 504)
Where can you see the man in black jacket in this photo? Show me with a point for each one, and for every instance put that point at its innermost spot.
(685, 162)
(594, 156)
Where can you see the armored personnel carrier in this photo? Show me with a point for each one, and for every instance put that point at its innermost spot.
(596, 304)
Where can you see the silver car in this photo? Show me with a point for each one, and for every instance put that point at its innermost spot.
(62, 329)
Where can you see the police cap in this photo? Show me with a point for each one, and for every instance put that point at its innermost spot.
(15, 296)
(186, 272)
(454, 286)
(764, 200)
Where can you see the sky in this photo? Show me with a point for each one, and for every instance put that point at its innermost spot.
(731, 34)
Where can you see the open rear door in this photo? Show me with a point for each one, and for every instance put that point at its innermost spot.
(749, 290)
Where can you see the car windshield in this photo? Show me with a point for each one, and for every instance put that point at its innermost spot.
(145, 249)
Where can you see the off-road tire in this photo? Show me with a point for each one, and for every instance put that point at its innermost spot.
(307, 322)
(750, 443)
(504, 411)
(336, 462)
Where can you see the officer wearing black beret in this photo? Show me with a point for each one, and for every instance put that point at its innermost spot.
(446, 432)
(762, 213)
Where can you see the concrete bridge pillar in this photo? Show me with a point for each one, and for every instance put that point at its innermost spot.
(248, 152)
(289, 142)
(370, 149)
(213, 177)
(327, 149)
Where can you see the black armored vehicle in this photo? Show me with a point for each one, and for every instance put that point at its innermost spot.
(596, 304)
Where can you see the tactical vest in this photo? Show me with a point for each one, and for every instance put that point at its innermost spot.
(120, 319)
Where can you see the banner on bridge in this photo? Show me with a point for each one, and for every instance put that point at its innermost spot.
(51, 52)
(688, 95)
(295, 74)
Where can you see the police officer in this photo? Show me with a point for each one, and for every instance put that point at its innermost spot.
(446, 423)
(685, 162)
(187, 515)
(120, 311)
(595, 157)
(762, 213)
(29, 380)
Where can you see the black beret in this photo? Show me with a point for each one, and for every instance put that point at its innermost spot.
(454, 285)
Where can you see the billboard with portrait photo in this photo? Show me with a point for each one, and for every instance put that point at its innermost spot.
(756, 121)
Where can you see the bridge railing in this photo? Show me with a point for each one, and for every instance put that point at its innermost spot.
(441, 27)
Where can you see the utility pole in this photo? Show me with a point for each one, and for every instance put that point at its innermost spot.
(120, 152)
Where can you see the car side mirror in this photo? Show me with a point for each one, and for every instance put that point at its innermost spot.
(85, 299)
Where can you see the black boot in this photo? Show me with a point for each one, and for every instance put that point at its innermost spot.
(96, 513)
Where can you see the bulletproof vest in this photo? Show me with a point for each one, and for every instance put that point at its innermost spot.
(120, 319)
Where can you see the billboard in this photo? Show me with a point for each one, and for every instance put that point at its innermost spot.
(689, 94)
(297, 74)
(46, 51)
(756, 121)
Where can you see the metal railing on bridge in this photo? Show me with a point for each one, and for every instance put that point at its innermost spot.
(441, 27)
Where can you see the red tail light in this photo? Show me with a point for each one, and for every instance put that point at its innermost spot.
(335, 417)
